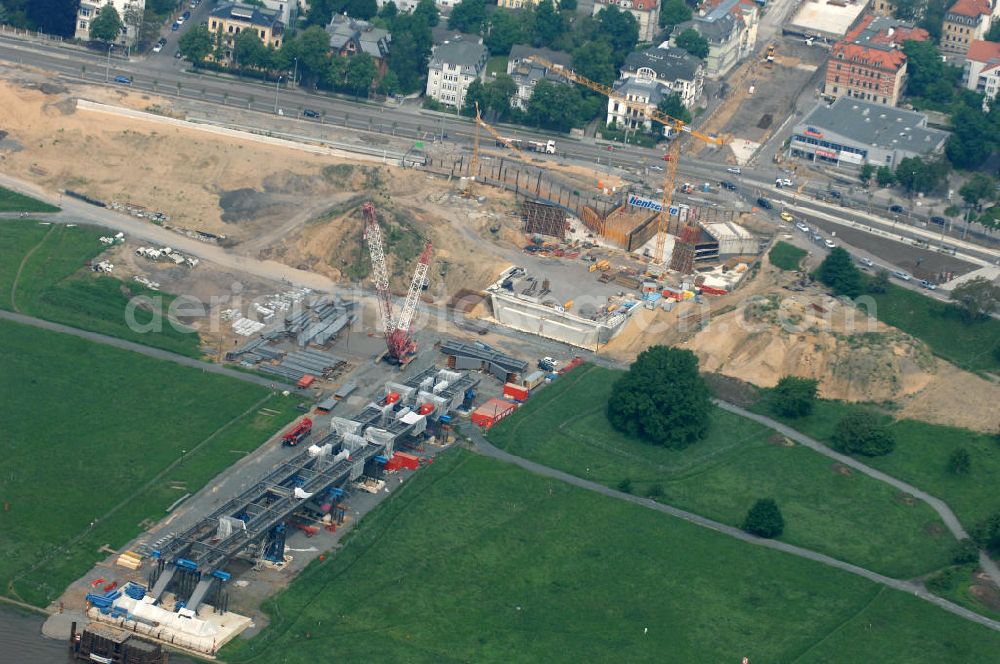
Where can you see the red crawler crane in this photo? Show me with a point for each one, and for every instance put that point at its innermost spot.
(401, 346)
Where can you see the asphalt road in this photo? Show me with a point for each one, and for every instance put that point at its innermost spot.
(484, 447)
(144, 350)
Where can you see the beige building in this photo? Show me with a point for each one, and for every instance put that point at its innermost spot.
(646, 13)
(964, 22)
(232, 18)
(453, 67)
(130, 12)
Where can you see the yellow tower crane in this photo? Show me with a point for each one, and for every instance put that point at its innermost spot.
(468, 193)
(672, 157)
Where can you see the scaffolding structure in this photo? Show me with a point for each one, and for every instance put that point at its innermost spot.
(543, 219)
(682, 260)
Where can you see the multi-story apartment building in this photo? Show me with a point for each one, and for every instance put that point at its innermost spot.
(650, 76)
(730, 27)
(130, 11)
(646, 13)
(982, 69)
(527, 73)
(964, 22)
(232, 18)
(454, 65)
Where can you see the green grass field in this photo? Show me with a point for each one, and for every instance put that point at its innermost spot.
(921, 457)
(844, 514)
(85, 427)
(11, 201)
(478, 561)
(967, 345)
(786, 256)
(55, 285)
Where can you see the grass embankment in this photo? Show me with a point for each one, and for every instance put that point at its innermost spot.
(969, 345)
(56, 285)
(786, 256)
(827, 508)
(85, 427)
(474, 560)
(11, 201)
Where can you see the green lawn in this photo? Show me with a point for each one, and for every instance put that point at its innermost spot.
(844, 514)
(921, 458)
(11, 201)
(85, 427)
(478, 561)
(496, 65)
(786, 256)
(56, 285)
(967, 345)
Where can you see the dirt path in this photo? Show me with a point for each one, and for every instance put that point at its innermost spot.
(483, 447)
(20, 268)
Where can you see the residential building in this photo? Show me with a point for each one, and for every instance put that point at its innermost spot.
(964, 22)
(518, 4)
(884, 8)
(646, 13)
(850, 132)
(869, 63)
(527, 73)
(87, 12)
(232, 18)
(647, 78)
(730, 27)
(288, 10)
(349, 36)
(673, 68)
(453, 67)
(982, 69)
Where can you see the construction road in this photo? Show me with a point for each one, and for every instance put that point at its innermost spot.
(485, 448)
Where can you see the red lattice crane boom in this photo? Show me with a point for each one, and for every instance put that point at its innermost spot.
(400, 345)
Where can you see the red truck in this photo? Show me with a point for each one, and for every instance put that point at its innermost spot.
(298, 434)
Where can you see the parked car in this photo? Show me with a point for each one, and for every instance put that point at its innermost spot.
(726, 184)
(309, 113)
(830, 244)
(186, 15)
(656, 168)
(898, 209)
(764, 203)
(785, 182)
(899, 274)
(940, 221)
(928, 285)
(180, 20)
(157, 48)
(547, 364)
(816, 237)
(802, 227)
(867, 262)
(735, 170)
(124, 80)
(786, 216)
(176, 26)
(178, 55)
(834, 194)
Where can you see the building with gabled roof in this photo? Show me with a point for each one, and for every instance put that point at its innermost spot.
(232, 18)
(527, 73)
(982, 69)
(869, 63)
(349, 36)
(647, 78)
(964, 22)
(454, 65)
(730, 27)
(646, 13)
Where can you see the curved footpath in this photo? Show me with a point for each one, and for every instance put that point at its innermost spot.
(144, 350)
(938, 505)
(485, 448)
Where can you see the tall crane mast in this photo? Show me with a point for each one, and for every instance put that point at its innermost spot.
(400, 344)
(673, 152)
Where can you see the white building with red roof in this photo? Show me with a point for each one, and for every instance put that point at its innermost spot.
(646, 13)
(982, 68)
(964, 22)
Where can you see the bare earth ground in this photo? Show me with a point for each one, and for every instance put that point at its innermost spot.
(301, 208)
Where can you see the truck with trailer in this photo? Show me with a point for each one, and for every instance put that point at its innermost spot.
(298, 434)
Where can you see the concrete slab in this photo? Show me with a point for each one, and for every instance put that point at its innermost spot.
(826, 18)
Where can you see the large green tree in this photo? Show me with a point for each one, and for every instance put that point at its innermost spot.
(927, 76)
(916, 175)
(794, 396)
(411, 49)
(361, 73)
(978, 188)
(977, 299)
(673, 106)
(427, 9)
(764, 519)
(107, 26)
(662, 400)
(839, 273)
(468, 16)
(620, 29)
(860, 432)
(692, 42)
(550, 24)
(248, 49)
(363, 9)
(54, 17)
(196, 43)
(596, 61)
(505, 31)
(972, 139)
(311, 47)
(673, 12)
(554, 106)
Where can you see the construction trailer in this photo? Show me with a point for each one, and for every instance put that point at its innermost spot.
(491, 412)
(480, 357)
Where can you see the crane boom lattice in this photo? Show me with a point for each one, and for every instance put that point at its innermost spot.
(380, 274)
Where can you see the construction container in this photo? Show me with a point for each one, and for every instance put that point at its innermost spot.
(306, 381)
(533, 380)
(326, 405)
(515, 392)
(492, 412)
(344, 390)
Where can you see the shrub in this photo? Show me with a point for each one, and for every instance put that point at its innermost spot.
(861, 433)
(764, 519)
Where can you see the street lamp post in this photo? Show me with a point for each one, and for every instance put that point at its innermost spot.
(295, 73)
(277, 86)
(107, 66)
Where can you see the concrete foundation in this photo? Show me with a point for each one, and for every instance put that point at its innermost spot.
(545, 321)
